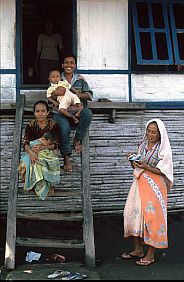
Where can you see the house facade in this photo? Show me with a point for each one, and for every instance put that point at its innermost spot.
(129, 51)
(109, 38)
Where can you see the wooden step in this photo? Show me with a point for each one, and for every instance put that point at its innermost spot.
(57, 193)
(69, 216)
(50, 243)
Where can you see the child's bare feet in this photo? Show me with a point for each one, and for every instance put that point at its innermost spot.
(77, 114)
(75, 119)
(77, 145)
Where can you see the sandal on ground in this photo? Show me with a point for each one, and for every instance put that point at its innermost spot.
(130, 256)
(75, 276)
(58, 273)
(142, 262)
(58, 258)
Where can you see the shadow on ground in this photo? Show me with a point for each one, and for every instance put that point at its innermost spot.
(109, 242)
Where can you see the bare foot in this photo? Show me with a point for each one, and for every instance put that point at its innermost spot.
(133, 254)
(67, 164)
(75, 119)
(77, 146)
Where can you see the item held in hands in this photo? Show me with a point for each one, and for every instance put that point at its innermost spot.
(134, 157)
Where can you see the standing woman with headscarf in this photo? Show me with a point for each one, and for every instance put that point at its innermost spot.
(145, 213)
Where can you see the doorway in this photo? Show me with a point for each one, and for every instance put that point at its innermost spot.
(34, 15)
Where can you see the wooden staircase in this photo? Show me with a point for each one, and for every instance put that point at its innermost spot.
(85, 215)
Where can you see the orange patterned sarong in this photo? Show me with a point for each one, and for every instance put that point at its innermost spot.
(146, 215)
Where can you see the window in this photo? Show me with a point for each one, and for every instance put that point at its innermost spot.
(158, 28)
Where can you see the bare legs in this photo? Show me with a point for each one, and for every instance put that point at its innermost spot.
(67, 164)
(150, 254)
(138, 251)
(65, 130)
(67, 161)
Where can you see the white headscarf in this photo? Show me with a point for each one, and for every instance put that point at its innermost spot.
(165, 154)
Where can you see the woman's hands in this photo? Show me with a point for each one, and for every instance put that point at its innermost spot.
(33, 153)
(140, 164)
(137, 164)
(33, 156)
(128, 155)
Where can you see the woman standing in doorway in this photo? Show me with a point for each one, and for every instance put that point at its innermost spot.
(50, 51)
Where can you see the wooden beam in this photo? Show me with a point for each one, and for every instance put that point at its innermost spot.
(70, 216)
(88, 230)
(116, 105)
(12, 200)
(50, 243)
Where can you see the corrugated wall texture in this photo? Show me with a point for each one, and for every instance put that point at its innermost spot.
(111, 173)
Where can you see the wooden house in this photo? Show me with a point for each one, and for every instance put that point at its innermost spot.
(130, 52)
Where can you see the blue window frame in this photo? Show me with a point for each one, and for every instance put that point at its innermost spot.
(177, 27)
(158, 31)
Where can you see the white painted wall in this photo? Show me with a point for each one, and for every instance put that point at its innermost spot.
(7, 34)
(102, 44)
(110, 86)
(160, 87)
(102, 34)
(7, 89)
(7, 50)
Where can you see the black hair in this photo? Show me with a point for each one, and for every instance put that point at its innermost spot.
(70, 55)
(49, 136)
(153, 122)
(54, 70)
(41, 102)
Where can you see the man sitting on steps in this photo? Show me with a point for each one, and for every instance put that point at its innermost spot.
(81, 88)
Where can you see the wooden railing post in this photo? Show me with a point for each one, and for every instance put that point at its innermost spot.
(88, 229)
(12, 200)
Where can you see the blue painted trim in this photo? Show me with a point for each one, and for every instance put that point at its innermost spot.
(33, 87)
(103, 71)
(74, 27)
(167, 32)
(164, 105)
(152, 31)
(136, 33)
(8, 71)
(18, 45)
(155, 62)
(175, 31)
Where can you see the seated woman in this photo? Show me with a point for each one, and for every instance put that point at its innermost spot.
(39, 167)
(145, 213)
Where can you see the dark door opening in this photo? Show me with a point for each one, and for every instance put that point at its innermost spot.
(34, 15)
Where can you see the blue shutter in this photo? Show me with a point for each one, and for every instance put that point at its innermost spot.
(151, 32)
(176, 32)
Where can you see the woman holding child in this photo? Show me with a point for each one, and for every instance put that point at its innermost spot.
(39, 167)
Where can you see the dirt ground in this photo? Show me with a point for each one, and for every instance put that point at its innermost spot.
(109, 243)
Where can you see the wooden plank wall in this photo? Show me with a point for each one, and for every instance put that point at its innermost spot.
(111, 174)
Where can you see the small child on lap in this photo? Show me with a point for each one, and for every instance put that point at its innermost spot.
(66, 100)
